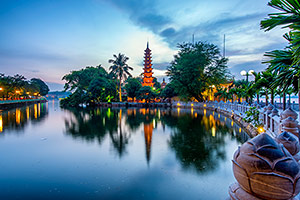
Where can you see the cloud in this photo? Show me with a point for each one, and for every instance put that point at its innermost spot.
(143, 13)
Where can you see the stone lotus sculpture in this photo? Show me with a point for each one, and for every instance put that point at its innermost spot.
(264, 169)
(290, 125)
(290, 142)
(288, 113)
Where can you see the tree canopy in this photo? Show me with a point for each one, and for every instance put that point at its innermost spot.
(89, 85)
(195, 68)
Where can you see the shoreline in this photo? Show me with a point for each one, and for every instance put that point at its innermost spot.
(4, 106)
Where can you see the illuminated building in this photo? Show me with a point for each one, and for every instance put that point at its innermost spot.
(147, 75)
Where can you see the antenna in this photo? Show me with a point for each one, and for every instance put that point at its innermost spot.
(224, 47)
(193, 39)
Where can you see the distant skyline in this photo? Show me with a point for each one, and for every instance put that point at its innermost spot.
(49, 38)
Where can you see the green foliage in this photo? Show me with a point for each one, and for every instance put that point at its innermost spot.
(156, 83)
(90, 85)
(132, 87)
(195, 68)
(147, 93)
(41, 85)
(11, 84)
(120, 70)
(168, 91)
(252, 116)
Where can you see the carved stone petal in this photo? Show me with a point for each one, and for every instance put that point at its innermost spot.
(271, 186)
(237, 193)
(241, 176)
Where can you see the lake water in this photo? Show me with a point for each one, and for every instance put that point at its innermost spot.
(51, 153)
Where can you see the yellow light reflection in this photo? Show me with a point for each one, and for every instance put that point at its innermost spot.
(27, 112)
(218, 115)
(1, 124)
(178, 111)
(178, 104)
(213, 131)
(39, 109)
(192, 111)
(232, 123)
(196, 114)
(18, 115)
(240, 130)
(35, 111)
(192, 104)
(225, 119)
(108, 113)
(204, 112)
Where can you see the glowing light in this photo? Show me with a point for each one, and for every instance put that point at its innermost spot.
(27, 93)
(35, 94)
(232, 123)
(39, 109)
(178, 104)
(17, 92)
(18, 115)
(192, 104)
(240, 130)
(1, 124)
(27, 112)
(35, 111)
(1, 88)
(218, 115)
(261, 129)
(204, 112)
(108, 113)
(204, 105)
(213, 131)
(196, 114)
(178, 111)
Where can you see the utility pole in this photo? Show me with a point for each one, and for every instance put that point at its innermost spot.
(193, 39)
(224, 47)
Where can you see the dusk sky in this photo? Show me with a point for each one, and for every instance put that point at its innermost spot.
(49, 38)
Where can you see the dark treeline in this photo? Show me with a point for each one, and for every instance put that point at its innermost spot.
(18, 86)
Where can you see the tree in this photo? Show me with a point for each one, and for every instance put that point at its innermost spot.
(132, 87)
(195, 68)
(146, 93)
(120, 70)
(288, 17)
(89, 85)
(168, 92)
(41, 85)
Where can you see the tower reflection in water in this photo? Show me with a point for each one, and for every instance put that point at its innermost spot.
(17, 119)
(197, 137)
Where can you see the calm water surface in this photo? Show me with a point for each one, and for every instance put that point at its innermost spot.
(51, 153)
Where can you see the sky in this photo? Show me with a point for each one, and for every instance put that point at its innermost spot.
(49, 38)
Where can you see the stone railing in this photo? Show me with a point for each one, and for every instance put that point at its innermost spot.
(270, 117)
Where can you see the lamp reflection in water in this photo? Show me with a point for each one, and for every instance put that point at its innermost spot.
(18, 115)
(27, 113)
(1, 124)
(35, 111)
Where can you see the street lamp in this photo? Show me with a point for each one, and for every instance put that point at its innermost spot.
(245, 73)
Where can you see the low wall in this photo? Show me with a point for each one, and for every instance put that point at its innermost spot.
(5, 105)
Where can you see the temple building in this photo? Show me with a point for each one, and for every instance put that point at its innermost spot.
(147, 75)
(163, 84)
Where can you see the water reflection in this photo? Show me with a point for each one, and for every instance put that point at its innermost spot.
(197, 137)
(17, 119)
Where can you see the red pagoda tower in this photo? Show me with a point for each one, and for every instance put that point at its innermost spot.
(148, 79)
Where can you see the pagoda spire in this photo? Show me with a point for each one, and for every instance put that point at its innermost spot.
(147, 75)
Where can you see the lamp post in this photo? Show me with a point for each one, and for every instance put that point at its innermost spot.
(245, 73)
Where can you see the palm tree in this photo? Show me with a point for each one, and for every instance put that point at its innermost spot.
(120, 70)
(289, 17)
